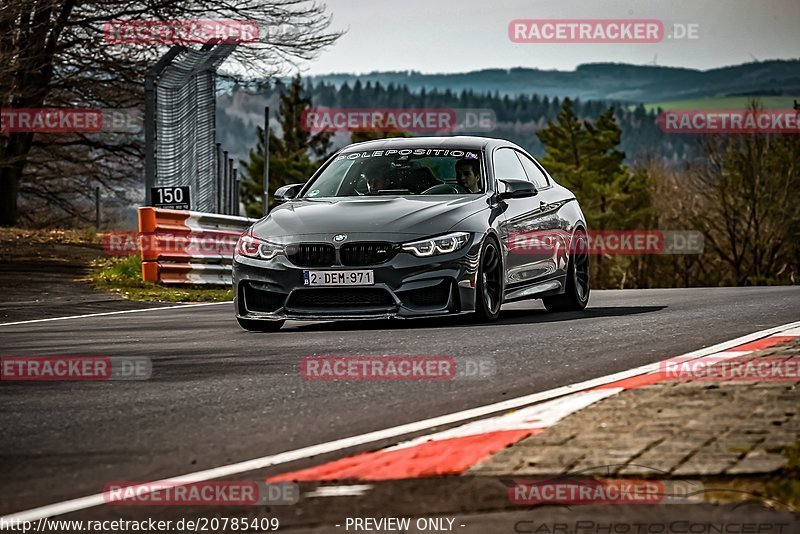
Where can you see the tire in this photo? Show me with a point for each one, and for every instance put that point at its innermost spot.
(260, 326)
(489, 286)
(576, 292)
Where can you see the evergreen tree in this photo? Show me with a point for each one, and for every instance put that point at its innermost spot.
(583, 156)
(293, 157)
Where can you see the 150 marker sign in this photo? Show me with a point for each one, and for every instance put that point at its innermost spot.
(171, 198)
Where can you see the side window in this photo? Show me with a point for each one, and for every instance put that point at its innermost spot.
(506, 165)
(534, 173)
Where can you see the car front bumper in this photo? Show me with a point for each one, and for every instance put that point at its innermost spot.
(404, 287)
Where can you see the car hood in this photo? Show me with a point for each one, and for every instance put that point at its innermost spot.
(423, 216)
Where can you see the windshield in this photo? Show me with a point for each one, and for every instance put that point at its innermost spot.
(421, 171)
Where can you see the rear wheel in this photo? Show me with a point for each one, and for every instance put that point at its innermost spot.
(489, 287)
(260, 326)
(576, 292)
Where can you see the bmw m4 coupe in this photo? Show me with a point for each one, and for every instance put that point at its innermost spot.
(414, 227)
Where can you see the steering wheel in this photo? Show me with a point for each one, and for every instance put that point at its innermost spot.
(360, 186)
(444, 189)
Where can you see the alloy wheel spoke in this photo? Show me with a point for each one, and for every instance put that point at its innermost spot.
(491, 261)
(491, 279)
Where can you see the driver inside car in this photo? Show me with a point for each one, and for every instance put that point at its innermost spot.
(420, 179)
(468, 174)
(376, 182)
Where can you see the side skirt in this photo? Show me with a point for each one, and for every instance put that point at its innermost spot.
(538, 290)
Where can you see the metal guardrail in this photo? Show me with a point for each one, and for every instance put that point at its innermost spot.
(188, 247)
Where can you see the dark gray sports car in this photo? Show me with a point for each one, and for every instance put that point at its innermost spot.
(414, 227)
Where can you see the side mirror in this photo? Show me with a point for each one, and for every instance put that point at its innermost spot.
(517, 188)
(287, 192)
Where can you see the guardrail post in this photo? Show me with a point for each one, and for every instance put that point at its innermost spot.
(147, 227)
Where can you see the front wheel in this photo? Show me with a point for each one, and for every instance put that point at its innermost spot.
(576, 293)
(260, 326)
(489, 286)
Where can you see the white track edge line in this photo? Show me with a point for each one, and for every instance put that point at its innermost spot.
(101, 314)
(555, 409)
(378, 435)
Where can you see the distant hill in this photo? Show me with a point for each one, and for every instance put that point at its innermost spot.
(523, 100)
(603, 81)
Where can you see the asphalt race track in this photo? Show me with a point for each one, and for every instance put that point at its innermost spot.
(220, 395)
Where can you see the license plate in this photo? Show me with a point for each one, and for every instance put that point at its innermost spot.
(338, 278)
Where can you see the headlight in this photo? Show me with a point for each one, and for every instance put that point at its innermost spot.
(253, 247)
(437, 245)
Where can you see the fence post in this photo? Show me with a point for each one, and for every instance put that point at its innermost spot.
(266, 160)
(220, 166)
(237, 192)
(97, 208)
(150, 78)
(231, 179)
(149, 135)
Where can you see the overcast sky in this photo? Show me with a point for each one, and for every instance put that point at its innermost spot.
(464, 35)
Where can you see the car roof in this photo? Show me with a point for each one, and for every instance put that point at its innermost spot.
(458, 141)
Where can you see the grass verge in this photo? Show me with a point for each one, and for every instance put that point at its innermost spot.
(725, 102)
(123, 275)
(786, 486)
(779, 490)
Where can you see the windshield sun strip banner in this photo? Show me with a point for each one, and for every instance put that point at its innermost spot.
(440, 152)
